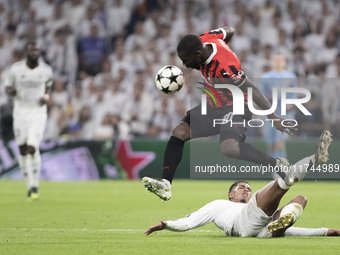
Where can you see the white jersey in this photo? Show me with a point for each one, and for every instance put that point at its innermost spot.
(31, 86)
(229, 216)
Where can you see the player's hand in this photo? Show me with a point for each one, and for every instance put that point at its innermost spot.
(11, 91)
(333, 232)
(157, 227)
(288, 128)
(44, 100)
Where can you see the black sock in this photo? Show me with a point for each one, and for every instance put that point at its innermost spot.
(172, 157)
(250, 153)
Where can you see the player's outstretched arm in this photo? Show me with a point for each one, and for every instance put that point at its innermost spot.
(160, 226)
(264, 104)
(333, 232)
(230, 32)
(295, 231)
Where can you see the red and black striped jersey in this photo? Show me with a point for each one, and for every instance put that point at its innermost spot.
(222, 66)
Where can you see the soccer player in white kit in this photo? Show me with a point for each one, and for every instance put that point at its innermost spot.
(29, 82)
(258, 215)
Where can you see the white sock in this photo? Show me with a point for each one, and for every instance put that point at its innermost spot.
(22, 165)
(282, 184)
(36, 167)
(300, 168)
(294, 208)
(26, 169)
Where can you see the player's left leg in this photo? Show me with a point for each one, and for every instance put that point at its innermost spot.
(35, 134)
(35, 160)
(232, 145)
(287, 215)
(298, 171)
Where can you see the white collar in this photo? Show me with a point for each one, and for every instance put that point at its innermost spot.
(212, 54)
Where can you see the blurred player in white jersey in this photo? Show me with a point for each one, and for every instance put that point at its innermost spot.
(257, 215)
(29, 82)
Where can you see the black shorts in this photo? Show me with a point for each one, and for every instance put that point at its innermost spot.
(218, 121)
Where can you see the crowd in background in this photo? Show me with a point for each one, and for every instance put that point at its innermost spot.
(105, 54)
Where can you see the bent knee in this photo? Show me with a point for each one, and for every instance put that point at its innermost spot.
(23, 150)
(302, 200)
(31, 150)
(230, 148)
(182, 131)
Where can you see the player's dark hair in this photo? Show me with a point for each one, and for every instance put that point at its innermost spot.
(234, 185)
(189, 44)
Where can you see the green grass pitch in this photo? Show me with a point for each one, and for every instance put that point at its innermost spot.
(109, 217)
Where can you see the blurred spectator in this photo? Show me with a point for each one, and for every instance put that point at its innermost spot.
(119, 59)
(29, 28)
(162, 122)
(62, 57)
(77, 101)
(99, 107)
(5, 53)
(86, 25)
(74, 11)
(104, 76)
(55, 22)
(315, 40)
(59, 94)
(44, 9)
(269, 34)
(83, 128)
(12, 42)
(92, 51)
(284, 45)
(104, 130)
(242, 41)
(252, 25)
(118, 18)
(138, 110)
(333, 70)
(264, 61)
(116, 98)
(136, 41)
(326, 55)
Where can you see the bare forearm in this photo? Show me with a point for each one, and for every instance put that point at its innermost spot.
(258, 97)
(230, 32)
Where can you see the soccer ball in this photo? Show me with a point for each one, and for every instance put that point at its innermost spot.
(169, 79)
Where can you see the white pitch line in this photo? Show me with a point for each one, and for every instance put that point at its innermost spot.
(92, 230)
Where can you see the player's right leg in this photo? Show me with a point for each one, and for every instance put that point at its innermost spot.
(172, 157)
(34, 136)
(24, 160)
(193, 125)
(298, 171)
(286, 216)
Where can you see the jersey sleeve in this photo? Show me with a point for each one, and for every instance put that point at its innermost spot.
(220, 33)
(10, 78)
(49, 77)
(201, 217)
(293, 231)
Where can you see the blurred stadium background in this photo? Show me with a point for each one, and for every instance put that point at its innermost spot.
(105, 54)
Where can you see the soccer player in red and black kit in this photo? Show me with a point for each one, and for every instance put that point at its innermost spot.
(210, 54)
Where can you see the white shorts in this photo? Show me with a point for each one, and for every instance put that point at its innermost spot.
(29, 132)
(252, 220)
